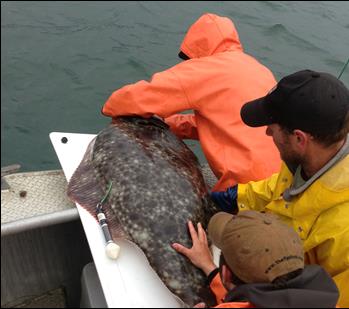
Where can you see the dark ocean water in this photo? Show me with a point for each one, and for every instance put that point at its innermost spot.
(60, 61)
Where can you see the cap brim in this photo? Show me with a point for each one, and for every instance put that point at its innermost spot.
(216, 227)
(255, 114)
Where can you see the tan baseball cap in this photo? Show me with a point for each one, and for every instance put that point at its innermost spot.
(257, 247)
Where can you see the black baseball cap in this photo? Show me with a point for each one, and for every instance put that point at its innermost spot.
(314, 102)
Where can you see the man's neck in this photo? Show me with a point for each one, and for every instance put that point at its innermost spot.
(318, 157)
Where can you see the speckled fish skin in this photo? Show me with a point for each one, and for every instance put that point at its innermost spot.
(157, 187)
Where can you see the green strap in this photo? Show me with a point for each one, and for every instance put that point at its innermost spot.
(107, 194)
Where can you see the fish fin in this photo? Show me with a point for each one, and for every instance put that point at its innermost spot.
(85, 189)
(114, 225)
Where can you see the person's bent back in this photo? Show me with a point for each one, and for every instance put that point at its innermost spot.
(215, 82)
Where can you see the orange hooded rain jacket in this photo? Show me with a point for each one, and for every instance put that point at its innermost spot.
(217, 80)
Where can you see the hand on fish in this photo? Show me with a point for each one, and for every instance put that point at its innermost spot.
(199, 254)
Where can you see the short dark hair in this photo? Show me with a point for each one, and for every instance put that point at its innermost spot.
(326, 139)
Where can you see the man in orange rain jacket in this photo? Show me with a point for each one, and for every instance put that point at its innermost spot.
(215, 81)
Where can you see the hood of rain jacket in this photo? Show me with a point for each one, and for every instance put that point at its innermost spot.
(313, 288)
(209, 35)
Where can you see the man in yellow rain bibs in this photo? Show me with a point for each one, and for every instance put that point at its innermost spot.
(307, 115)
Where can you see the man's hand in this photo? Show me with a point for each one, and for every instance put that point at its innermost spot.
(199, 254)
(227, 200)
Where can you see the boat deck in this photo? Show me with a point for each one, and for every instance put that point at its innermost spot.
(39, 225)
(35, 199)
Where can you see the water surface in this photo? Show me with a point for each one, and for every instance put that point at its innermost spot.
(60, 61)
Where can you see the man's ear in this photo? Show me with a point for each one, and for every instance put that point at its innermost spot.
(301, 139)
(227, 277)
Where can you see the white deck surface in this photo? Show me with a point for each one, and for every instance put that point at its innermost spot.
(33, 194)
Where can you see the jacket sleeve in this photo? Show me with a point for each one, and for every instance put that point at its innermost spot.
(330, 239)
(226, 200)
(256, 195)
(163, 96)
(184, 126)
